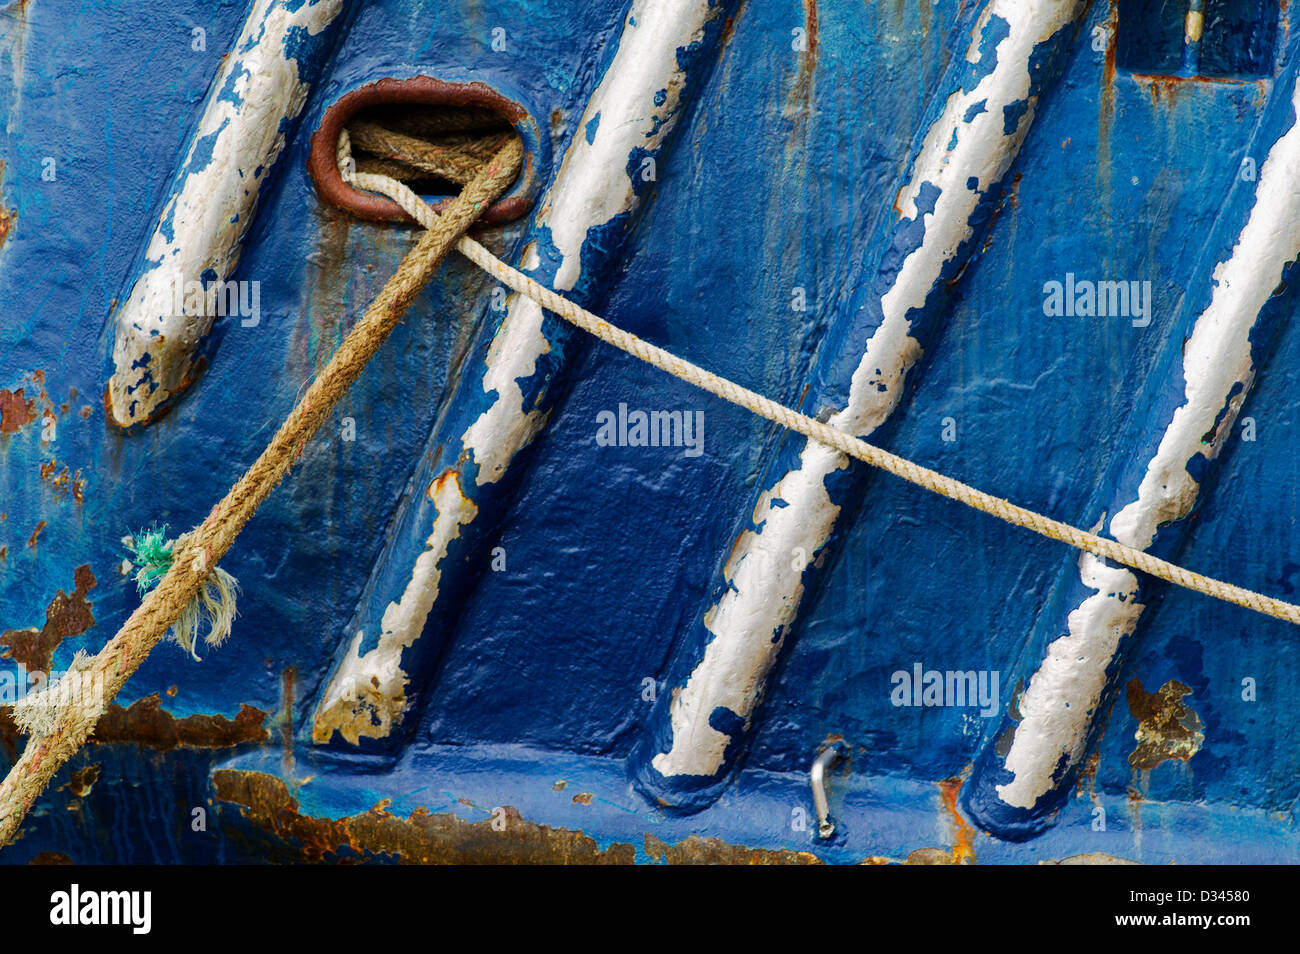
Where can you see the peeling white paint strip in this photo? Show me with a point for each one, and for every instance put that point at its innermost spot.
(1060, 704)
(371, 689)
(240, 135)
(966, 144)
(634, 108)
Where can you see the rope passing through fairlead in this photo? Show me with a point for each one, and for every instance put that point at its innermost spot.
(194, 555)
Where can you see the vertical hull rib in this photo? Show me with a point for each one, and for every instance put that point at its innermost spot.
(989, 99)
(1176, 435)
(462, 487)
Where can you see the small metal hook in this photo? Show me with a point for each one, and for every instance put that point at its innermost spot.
(817, 776)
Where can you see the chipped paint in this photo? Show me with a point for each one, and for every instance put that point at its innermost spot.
(253, 101)
(960, 162)
(630, 116)
(1167, 729)
(368, 693)
(1058, 707)
(1192, 411)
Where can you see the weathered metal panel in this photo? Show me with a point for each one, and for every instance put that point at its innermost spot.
(749, 244)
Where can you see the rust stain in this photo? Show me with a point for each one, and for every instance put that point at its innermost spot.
(1166, 728)
(31, 541)
(1165, 88)
(1088, 775)
(51, 858)
(420, 838)
(931, 856)
(63, 480)
(582, 798)
(426, 838)
(1091, 858)
(1010, 197)
(192, 372)
(1106, 102)
(9, 734)
(288, 688)
(1134, 798)
(83, 780)
(799, 100)
(65, 617)
(146, 722)
(696, 850)
(287, 681)
(7, 216)
(963, 848)
(728, 31)
(16, 410)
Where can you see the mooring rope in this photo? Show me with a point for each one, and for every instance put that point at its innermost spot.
(195, 554)
(841, 441)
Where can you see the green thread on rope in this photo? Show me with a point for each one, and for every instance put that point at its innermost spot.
(153, 553)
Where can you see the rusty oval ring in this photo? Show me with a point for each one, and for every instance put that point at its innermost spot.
(424, 91)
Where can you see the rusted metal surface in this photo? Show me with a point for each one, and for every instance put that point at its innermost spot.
(83, 780)
(16, 410)
(427, 838)
(420, 838)
(67, 615)
(422, 91)
(1167, 729)
(696, 850)
(146, 722)
(1092, 858)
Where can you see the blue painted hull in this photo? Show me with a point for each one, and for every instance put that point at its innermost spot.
(573, 612)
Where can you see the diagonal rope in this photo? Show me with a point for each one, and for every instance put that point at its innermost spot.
(69, 723)
(832, 437)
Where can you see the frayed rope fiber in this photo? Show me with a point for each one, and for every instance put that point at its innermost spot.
(194, 555)
(214, 603)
